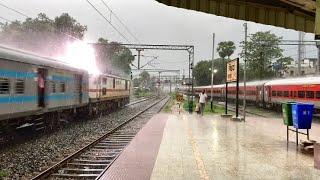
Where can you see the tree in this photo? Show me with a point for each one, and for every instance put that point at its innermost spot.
(226, 49)
(262, 51)
(42, 35)
(202, 73)
(113, 58)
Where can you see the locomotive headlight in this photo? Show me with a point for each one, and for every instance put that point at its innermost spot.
(81, 55)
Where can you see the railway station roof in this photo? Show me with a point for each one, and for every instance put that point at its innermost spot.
(291, 14)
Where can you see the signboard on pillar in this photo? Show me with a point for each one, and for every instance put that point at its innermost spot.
(232, 67)
(232, 76)
(317, 23)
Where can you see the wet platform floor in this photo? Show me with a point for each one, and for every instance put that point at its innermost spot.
(210, 147)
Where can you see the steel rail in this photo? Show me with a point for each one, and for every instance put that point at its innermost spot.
(66, 160)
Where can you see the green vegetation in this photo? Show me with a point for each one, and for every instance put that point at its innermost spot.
(50, 37)
(217, 109)
(142, 93)
(264, 56)
(265, 60)
(3, 174)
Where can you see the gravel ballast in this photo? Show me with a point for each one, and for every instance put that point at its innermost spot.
(23, 161)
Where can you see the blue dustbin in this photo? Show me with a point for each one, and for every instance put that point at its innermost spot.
(302, 115)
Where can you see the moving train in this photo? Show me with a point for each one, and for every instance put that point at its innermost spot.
(271, 93)
(39, 92)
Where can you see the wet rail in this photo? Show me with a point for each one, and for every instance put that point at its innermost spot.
(92, 160)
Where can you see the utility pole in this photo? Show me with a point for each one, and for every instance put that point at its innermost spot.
(139, 54)
(245, 70)
(301, 51)
(213, 35)
(318, 60)
(159, 85)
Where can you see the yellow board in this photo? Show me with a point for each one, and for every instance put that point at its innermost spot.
(179, 98)
(317, 23)
(232, 71)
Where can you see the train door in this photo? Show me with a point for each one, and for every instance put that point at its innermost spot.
(267, 94)
(78, 88)
(259, 95)
(42, 74)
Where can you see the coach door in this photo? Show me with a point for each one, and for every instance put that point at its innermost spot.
(42, 74)
(78, 88)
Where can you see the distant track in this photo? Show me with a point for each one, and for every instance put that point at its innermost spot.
(93, 160)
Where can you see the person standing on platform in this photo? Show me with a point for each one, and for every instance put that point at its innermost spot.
(202, 100)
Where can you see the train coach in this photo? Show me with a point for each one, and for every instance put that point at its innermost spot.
(270, 93)
(40, 92)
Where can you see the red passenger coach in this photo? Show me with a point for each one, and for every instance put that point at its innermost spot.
(297, 90)
(271, 93)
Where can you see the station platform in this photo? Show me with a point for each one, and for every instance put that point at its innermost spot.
(183, 146)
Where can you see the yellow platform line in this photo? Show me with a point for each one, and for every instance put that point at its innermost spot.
(196, 152)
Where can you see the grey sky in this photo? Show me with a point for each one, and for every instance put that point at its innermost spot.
(153, 23)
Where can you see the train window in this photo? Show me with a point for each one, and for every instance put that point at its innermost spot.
(310, 94)
(104, 81)
(285, 93)
(114, 83)
(279, 93)
(4, 86)
(104, 91)
(62, 87)
(127, 82)
(53, 87)
(318, 94)
(19, 86)
(295, 93)
(291, 93)
(301, 94)
(274, 93)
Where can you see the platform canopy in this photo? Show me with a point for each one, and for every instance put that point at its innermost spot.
(291, 14)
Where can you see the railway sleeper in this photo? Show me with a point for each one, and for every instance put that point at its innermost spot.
(98, 157)
(87, 165)
(91, 161)
(81, 176)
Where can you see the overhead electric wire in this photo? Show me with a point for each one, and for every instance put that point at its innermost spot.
(108, 21)
(23, 14)
(117, 17)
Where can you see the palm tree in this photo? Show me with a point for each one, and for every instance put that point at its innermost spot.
(226, 49)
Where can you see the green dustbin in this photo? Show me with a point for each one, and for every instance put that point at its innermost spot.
(287, 113)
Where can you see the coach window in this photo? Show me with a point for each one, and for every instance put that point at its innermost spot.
(291, 93)
(4, 86)
(295, 93)
(279, 93)
(318, 94)
(310, 94)
(53, 87)
(19, 86)
(62, 87)
(301, 94)
(104, 91)
(274, 93)
(114, 83)
(104, 81)
(285, 93)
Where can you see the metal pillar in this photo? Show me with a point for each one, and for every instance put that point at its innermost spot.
(159, 86)
(211, 93)
(318, 61)
(139, 54)
(245, 72)
(237, 94)
(226, 95)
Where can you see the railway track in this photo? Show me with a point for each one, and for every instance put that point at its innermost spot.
(93, 160)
